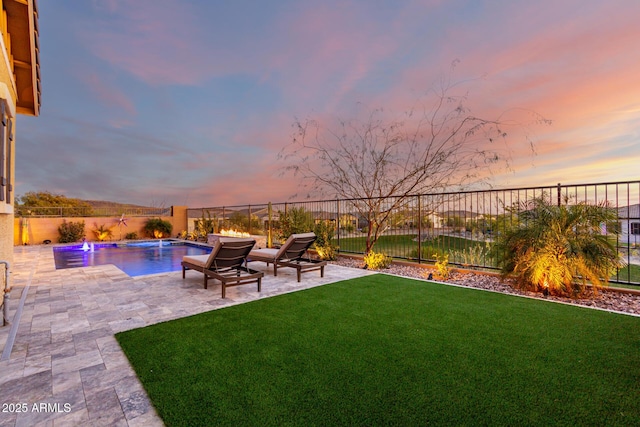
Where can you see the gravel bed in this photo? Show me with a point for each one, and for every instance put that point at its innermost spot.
(606, 299)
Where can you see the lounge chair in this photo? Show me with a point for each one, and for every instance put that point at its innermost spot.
(227, 263)
(291, 254)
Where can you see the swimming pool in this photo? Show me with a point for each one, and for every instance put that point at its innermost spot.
(134, 258)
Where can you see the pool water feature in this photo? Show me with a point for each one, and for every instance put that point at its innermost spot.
(134, 258)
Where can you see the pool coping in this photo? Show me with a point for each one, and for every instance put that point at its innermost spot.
(139, 244)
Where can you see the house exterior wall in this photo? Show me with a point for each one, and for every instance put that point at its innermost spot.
(629, 224)
(6, 231)
(7, 157)
(19, 93)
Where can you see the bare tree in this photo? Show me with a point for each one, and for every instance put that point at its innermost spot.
(379, 162)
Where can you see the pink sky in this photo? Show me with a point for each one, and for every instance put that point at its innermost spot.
(189, 102)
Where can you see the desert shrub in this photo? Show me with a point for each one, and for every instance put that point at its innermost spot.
(71, 231)
(157, 228)
(203, 226)
(296, 220)
(327, 253)
(473, 255)
(131, 236)
(324, 230)
(347, 227)
(377, 261)
(194, 235)
(558, 249)
(442, 266)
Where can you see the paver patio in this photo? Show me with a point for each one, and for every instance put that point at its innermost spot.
(65, 366)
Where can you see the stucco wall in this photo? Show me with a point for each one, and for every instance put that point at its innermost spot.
(41, 229)
(7, 95)
(6, 231)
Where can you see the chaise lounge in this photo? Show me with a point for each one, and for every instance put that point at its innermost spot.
(291, 254)
(227, 263)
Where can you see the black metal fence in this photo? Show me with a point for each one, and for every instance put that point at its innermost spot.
(423, 227)
(87, 211)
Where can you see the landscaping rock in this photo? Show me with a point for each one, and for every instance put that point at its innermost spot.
(621, 302)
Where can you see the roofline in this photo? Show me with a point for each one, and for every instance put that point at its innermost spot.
(35, 59)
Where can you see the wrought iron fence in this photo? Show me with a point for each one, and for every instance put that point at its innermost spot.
(422, 227)
(108, 211)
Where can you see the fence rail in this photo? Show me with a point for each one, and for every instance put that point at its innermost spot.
(109, 211)
(421, 227)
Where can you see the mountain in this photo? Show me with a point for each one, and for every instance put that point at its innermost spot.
(107, 204)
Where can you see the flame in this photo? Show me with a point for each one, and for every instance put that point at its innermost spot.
(234, 233)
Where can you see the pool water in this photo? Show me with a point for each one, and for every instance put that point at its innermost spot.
(135, 259)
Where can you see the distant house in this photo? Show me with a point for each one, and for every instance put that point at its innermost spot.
(629, 218)
(345, 219)
(467, 215)
(19, 94)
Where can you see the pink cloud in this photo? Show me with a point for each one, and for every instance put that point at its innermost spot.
(570, 64)
(329, 49)
(109, 95)
(582, 75)
(159, 42)
(262, 185)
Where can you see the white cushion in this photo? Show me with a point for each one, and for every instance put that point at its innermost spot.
(199, 260)
(264, 253)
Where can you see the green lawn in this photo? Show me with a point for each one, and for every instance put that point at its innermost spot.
(384, 350)
(404, 245)
(629, 273)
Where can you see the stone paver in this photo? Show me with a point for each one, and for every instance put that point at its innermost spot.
(66, 367)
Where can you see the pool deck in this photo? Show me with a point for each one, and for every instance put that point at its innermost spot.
(61, 363)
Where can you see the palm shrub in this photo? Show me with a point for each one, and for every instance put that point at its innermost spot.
(102, 232)
(557, 249)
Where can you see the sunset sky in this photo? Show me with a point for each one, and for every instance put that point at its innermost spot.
(177, 102)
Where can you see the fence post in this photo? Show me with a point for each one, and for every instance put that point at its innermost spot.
(419, 229)
(249, 226)
(269, 230)
(338, 222)
(559, 194)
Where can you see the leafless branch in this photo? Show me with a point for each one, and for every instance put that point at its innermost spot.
(439, 146)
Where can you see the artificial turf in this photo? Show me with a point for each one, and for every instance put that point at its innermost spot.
(384, 350)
